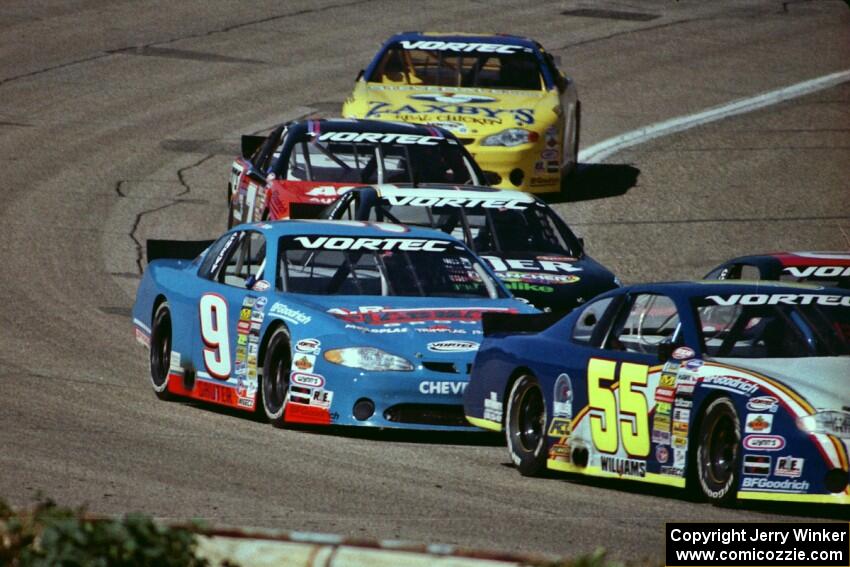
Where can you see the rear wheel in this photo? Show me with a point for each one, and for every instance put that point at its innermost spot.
(719, 452)
(526, 420)
(161, 351)
(275, 382)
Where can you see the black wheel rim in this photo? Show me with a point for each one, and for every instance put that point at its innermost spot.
(161, 351)
(531, 417)
(276, 385)
(721, 450)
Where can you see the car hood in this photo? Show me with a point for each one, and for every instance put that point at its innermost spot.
(551, 280)
(464, 112)
(440, 327)
(823, 381)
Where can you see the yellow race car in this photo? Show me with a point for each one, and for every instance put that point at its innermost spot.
(501, 95)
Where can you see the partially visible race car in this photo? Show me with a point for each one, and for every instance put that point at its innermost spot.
(830, 269)
(319, 322)
(523, 240)
(736, 390)
(302, 166)
(502, 95)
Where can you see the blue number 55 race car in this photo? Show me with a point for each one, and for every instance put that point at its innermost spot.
(737, 390)
(319, 322)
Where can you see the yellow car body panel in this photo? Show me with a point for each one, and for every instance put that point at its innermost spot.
(474, 114)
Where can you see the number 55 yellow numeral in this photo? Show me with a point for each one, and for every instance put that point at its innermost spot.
(633, 415)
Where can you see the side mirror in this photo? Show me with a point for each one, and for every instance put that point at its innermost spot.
(561, 81)
(589, 320)
(359, 75)
(581, 243)
(665, 351)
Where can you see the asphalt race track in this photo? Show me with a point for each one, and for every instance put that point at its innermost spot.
(118, 121)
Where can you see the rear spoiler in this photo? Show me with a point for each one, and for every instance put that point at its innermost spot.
(250, 145)
(511, 323)
(175, 249)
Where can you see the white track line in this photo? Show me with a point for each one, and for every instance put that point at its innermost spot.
(599, 152)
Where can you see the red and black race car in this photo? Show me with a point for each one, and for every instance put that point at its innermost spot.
(302, 166)
(831, 269)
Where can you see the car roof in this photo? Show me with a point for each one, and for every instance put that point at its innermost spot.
(319, 125)
(500, 38)
(289, 227)
(477, 192)
(699, 288)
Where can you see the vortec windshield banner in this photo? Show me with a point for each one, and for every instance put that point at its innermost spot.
(458, 202)
(380, 138)
(780, 299)
(377, 244)
(461, 46)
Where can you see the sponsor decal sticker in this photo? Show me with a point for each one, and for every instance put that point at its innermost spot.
(763, 403)
(463, 46)
(560, 427)
(307, 380)
(379, 138)
(759, 423)
(731, 383)
(374, 244)
(304, 362)
(623, 467)
(683, 353)
(452, 98)
(662, 454)
(289, 314)
(757, 465)
(308, 346)
(764, 442)
(442, 387)
(457, 202)
(453, 346)
(781, 299)
(261, 285)
(789, 466)
(787, 485)
(493, 408)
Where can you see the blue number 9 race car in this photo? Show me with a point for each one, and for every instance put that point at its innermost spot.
(736, 390)
(320, 322)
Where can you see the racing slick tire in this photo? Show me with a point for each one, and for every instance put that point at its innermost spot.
(525, 426)
(718, 452)
(277, 366)
(161, 351)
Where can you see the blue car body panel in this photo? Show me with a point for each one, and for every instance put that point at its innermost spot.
(778, 459)
(438, 335)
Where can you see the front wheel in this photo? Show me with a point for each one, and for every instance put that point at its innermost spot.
(161, 351)
(275, 381)
(525, 427)
(719, 452)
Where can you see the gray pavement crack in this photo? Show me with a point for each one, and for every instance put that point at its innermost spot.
(174, 201)
(110, 52)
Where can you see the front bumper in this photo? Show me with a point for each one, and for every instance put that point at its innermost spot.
(418, 400)
(532, 168)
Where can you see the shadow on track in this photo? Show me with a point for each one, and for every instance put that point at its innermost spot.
(595, 181)
(467, 438)
(790, 509)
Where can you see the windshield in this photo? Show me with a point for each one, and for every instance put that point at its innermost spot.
(343, 265)
(514, 226)
(355, 157)
(774, 325)
(513, 68)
